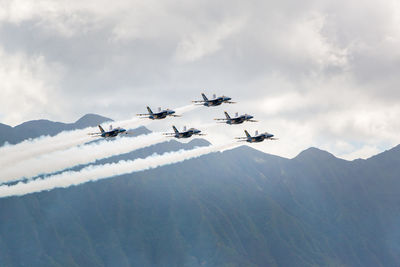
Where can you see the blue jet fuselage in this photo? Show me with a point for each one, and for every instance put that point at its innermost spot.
(239, 120)
(113, 133)
(161, 115)
(187, 134)
(259, 138)
(216, 102)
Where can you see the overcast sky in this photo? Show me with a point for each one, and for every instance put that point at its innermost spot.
(315, 73)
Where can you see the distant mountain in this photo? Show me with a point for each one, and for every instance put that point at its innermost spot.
(237, 208)
(36, 128)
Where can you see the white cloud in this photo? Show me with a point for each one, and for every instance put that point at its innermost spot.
(201, 43)
(314, 73)
(362, 153)
(28, 84)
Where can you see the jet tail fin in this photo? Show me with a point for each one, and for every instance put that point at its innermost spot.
(227, 115)
(101, 129)
(204, 97)
(149, 110)
(175, 130)
(247, 133)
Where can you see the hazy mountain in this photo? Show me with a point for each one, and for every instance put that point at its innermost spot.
(36, 128)
(237, 208)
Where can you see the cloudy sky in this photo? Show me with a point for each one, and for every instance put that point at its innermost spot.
(315, 73)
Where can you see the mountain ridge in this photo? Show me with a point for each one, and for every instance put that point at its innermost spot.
(36, 128)
(241, 207)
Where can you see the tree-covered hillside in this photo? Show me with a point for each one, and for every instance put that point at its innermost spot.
(237, 208)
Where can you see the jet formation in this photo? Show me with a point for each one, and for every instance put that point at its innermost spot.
(187, 133)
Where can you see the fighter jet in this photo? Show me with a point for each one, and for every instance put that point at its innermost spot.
(109, 134)
(161, 114)
(256, 138)
(216, 101)
(237, 119)
(184, 134)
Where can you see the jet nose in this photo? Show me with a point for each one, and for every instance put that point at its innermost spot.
(250, 117)
(172, 111)
(228, 98)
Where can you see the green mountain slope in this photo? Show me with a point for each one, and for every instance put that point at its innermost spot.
(237, 208)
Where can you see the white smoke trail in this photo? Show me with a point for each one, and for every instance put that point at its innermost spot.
(185, 109)
(42, 145)
(64, 159)
(47, 144)
(94, 173)
(66, 139)
(132, 123)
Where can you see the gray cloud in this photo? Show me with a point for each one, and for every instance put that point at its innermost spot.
(320, 73)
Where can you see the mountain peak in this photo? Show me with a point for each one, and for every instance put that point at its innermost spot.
(314, 153)
(199, 142)
(90, 120)
(36, 128)
(140, 130)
